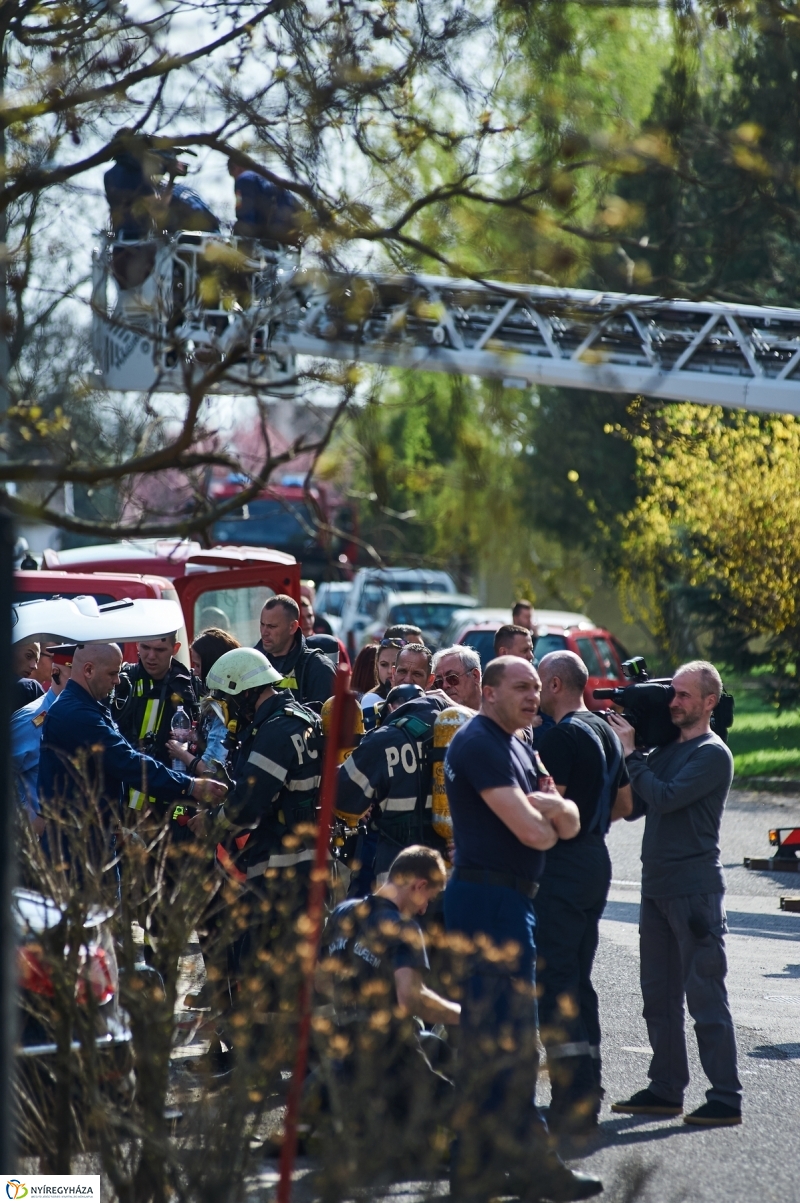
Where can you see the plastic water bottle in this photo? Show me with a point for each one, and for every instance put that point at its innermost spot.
(180, 731)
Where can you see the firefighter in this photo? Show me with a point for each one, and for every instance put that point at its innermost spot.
(584, 756)
(308, 672)
(391, 773)
(274, 799)
(264, 211)
(158, 684)
(372, 967)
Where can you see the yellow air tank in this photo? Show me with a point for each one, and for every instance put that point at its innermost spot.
(447, 723)
(358, 727)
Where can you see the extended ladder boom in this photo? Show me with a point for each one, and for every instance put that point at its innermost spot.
(742, 356)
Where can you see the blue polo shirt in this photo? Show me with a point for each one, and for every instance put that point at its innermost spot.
(483, 756)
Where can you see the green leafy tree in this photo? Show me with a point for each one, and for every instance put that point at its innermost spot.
(714, 536)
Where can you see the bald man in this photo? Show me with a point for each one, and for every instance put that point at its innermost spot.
(583, 754)
(79, 727)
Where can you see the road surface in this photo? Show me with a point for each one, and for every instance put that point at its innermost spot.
(667, 1161)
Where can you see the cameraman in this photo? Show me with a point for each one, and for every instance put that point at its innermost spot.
(683, 787)
(585, 758)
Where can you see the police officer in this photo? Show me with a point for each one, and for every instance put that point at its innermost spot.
(306, 671)
(79, 726)
(26, 733)
(158, 684)
(390, 772)
(501, 826)
(24, 662)
(584, 756)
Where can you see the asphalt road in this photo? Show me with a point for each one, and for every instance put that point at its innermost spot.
(668, 1161)
(761, 1159)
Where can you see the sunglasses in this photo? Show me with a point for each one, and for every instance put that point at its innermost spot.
(452, 679)
(392, 643)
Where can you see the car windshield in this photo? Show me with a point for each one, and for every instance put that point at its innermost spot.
(331, 599)
(269, 523)
(610, 669)
(483, 643)
(588, 654)
(429, 616)
(546, 644)
(236, 610)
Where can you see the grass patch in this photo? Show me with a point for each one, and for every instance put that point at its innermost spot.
(765, 741)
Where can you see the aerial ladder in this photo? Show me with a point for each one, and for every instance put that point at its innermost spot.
(212, 306)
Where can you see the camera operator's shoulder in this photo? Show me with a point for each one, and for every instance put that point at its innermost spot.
(715, 751)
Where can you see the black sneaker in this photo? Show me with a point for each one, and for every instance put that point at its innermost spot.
(714, 1115)
(644, 1102)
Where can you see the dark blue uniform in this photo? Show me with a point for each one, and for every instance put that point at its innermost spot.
(188, 211)
(78, 726)
(307, 671)
(264, 211)
(490, 894)
(277, 773)
(584, 755)
(391, 1098)
(391, 772)
(128, 190)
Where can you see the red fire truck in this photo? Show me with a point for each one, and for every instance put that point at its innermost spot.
(224, 586)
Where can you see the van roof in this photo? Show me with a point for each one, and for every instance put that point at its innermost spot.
(172, 557)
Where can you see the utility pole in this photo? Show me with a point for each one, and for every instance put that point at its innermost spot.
(8, 1020)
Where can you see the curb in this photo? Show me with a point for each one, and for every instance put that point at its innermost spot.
(772, 785)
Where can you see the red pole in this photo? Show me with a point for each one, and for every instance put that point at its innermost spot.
(341, 725)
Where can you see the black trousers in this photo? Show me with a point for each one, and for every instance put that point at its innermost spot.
(571, 899)
(497, 1124)
(389, 1106)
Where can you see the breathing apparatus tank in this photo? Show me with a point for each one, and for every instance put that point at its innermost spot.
(358, 728)
(447, 723)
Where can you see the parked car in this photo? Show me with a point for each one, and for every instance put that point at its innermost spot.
(600, 651)
(371, 586)
(219, 586)
(37, 921)
(495, 617)
(40, 936)
(329, 602)
(431, 612)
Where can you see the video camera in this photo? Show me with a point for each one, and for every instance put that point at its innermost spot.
(645, 705)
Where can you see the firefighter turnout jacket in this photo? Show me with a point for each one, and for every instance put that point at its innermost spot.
(307, 671)
(277, 774)
(390, 773)
(145, 717)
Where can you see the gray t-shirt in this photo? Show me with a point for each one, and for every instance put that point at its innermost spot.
(684, 787)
